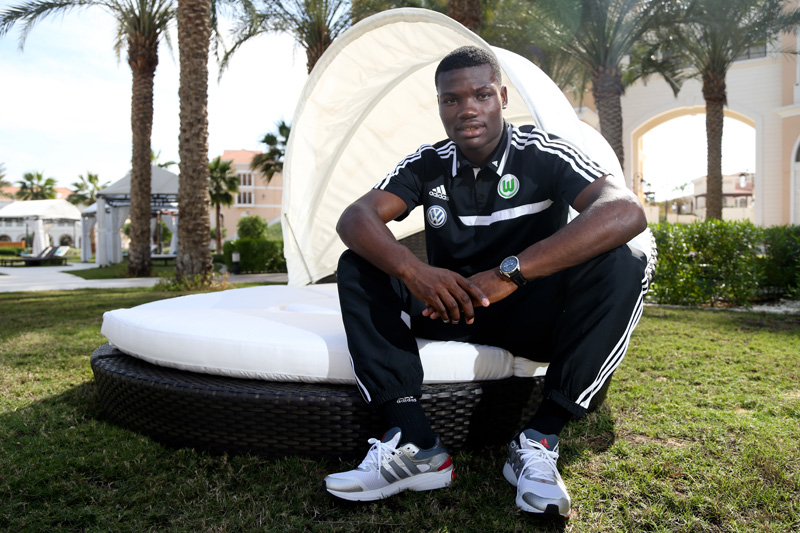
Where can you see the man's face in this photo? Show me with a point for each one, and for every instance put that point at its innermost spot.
(471, 104)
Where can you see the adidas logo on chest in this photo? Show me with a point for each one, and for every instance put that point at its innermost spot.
(439, 192)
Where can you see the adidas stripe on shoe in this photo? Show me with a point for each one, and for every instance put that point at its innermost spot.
(389, 469)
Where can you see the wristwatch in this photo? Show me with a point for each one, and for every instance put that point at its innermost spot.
(510, 268)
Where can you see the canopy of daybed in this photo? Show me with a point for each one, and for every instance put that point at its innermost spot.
(369, 102)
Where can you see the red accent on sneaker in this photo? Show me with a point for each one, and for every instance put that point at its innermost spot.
(446, 464)
(544, 441)
(453, 475)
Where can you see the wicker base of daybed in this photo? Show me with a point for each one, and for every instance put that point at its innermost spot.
(222, 414)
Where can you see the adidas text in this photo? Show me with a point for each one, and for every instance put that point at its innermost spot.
(407, 399)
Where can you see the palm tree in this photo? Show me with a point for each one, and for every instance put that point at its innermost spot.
(467, 12)
(709, 36)
(194, 37)
(34, 186)
(141, 25)
(511, 24)
(313, 23)
(86, 189)
(155, 156)
(361, 9)
(271, 162)
(223, 184)
(600, 35)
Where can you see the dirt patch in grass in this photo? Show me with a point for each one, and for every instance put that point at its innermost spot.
(644, 439)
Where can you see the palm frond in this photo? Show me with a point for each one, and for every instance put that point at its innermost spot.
(28, 14)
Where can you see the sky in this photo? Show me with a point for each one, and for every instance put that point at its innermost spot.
(66, 98)
(66, 106)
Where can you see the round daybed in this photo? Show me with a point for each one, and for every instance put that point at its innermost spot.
(265, 370)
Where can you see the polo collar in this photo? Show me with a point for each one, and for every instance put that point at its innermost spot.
(498, 160)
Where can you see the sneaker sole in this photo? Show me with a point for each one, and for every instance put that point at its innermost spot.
(551, 510)
(419, 482)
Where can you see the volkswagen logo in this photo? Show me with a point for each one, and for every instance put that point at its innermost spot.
(436, 216)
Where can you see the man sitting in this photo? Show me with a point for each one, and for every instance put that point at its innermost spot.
(505, 270)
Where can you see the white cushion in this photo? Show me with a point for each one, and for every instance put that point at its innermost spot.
(279, 333)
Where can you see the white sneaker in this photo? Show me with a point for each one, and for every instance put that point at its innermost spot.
(388, 470)
(531, 467)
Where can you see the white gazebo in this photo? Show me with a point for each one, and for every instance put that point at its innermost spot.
(113, 207)
(42, 213)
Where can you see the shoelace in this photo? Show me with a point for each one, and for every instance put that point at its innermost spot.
(536, 457)
(373, 458)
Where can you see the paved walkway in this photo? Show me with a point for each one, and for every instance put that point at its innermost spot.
(57, 278)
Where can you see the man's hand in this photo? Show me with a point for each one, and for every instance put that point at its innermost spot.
(449, 295)
(362, 227)
(493, 284)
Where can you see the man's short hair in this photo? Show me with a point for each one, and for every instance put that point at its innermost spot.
(468, 56)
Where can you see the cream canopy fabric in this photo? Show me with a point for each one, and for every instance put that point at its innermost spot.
(369, 102)
(41, 209)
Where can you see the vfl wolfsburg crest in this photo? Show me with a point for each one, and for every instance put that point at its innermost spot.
(436, 216)
(508, 186)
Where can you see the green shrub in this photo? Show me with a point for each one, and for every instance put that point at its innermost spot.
(11, 250)
(252, 227)
(275, 232)
(255, 255)
(781, 261)
(713, 262)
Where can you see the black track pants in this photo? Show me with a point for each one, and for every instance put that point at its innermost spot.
(578, 320)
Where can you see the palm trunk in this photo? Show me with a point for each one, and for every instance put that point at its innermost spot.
(467, 12)
(143, 59)
(715, 94)
(607, 89)
(219, 230)
(315, 50)
(194, 34)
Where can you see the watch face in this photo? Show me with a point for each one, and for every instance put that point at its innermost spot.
(508, 265)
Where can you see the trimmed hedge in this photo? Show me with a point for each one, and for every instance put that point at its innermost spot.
(11, 250)
(255, 255)
(723, 263)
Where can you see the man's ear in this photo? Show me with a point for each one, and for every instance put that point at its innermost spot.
(504, 96)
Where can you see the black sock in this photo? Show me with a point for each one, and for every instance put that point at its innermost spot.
(407, 414)
(550, 418)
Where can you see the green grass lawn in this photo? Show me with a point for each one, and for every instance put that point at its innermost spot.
(120, 270)
(700, 432)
